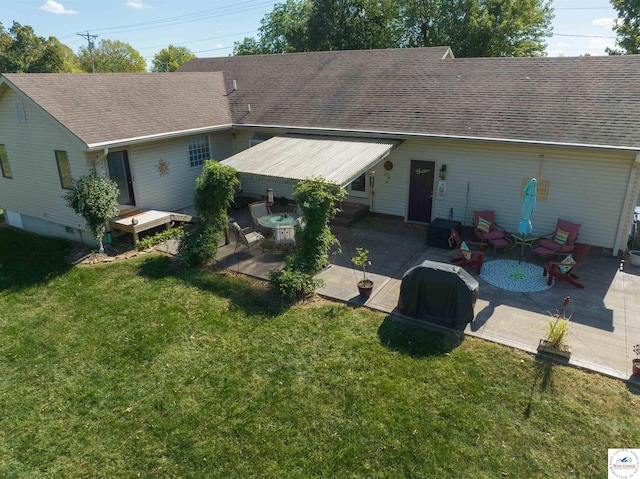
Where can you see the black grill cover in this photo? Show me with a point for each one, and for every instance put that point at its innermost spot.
(440, 291)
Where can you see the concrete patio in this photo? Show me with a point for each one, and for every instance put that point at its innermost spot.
(605, 323)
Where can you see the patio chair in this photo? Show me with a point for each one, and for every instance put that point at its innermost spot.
(487, 230)
(258, 210)
(246, 237)
(468, 256)
(297, 209)
(284, 235)
(561, 240)
(564, 269)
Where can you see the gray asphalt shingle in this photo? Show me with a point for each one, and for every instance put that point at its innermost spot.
(106, 107)
(578, 100)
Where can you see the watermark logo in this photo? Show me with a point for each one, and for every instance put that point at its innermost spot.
(624, 463)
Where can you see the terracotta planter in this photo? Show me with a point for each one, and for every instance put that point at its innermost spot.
(635, 367)
(546, 348)
(365, 287)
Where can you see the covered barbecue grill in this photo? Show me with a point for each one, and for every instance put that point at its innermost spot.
(438, 291)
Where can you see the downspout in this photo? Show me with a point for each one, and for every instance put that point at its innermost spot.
(630, 197)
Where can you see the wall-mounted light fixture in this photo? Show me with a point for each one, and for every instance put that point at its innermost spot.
(443, 171)
(372, 179)
(270, 196)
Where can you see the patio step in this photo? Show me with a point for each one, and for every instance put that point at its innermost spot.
(350, 214)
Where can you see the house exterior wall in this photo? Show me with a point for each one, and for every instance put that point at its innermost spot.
(34, 191)
(172, 190)
(586, 187)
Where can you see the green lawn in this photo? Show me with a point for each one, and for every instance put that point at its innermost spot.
(135, 369)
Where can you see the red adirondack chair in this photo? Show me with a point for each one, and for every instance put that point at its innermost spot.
(555, 268)
(468, 257)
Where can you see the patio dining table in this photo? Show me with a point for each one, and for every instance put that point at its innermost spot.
(274, 220)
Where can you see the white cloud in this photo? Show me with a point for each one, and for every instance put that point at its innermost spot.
(55, 7)
(603, 22)
(600, 44)
(138, 4)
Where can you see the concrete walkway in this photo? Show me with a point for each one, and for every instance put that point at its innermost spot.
(605, 323)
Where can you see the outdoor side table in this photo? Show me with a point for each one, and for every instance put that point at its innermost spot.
(523, 240)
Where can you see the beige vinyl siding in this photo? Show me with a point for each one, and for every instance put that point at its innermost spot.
(34, 189)
(174, 190)
(585, 187)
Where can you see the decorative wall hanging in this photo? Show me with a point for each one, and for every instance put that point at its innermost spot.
(163, 167)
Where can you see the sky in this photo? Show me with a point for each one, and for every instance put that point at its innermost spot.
(209, 28)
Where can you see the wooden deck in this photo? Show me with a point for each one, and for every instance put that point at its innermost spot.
(145, 220)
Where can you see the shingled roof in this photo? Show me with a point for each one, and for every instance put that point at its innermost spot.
(578, 101)
(105, 108)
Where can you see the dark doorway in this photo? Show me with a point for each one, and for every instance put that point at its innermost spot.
(120, 172)
(421, 191)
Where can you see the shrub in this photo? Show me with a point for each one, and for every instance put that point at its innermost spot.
(213, 195)
(318, 199)
(95, 199)
(294, 285)
(161, 237)
(199, 245)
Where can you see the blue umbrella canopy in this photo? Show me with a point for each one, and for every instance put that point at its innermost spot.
(528, 205)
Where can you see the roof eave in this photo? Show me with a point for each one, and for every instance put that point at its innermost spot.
(156, 137)
(408, 135)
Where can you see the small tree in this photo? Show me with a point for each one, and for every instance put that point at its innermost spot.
(213, 196)
(95, 199)
(319, 199)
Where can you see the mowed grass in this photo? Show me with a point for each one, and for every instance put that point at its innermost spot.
(136, 369)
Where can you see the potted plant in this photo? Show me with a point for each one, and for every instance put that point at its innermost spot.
(557, 332)
(365, 285)
(635, 362)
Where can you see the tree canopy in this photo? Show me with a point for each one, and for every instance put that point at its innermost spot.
(627, 27)
(171, 58)
(112, 56)
(472, 28)
(22, 51)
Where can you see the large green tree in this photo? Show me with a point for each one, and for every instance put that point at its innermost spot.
(472, 28)
(22, 51)
(479, 28)
(171, 58)
(627, 27)
(283, 30)
(112, 56)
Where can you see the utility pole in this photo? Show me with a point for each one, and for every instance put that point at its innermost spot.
(90, 39)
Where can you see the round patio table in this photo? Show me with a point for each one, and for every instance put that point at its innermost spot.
(278, 219)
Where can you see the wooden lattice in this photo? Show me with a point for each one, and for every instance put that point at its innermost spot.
(542, 188)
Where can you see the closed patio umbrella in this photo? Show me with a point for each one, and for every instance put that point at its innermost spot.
(525, 227)
(528, 205)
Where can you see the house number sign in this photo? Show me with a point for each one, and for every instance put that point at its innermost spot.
(422, 171)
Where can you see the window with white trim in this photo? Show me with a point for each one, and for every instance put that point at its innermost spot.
(4, 162)
(198, 151)
(64, 170)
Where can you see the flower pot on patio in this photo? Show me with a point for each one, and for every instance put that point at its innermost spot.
(365, 287)
(634, 257)
(547, 348)
(635, 367)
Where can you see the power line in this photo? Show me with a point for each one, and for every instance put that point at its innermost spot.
(205, 39)
(191, 17)
(580, 36)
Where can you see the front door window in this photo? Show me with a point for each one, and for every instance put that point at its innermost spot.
(358, 187)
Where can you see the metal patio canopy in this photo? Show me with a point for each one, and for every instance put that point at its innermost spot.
(338, 160)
